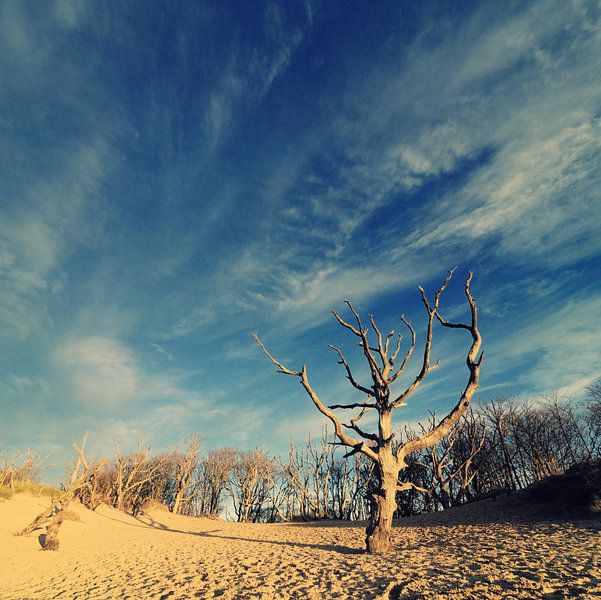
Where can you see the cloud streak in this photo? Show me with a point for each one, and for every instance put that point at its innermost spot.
(205, 173)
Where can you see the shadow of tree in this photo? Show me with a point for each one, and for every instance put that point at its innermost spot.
(217, 533)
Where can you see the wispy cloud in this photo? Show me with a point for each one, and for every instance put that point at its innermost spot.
(534, 191)
(103, 373)
(47, 220)
(180, 178)
(162, 351)
(251, 70)
(560, 349)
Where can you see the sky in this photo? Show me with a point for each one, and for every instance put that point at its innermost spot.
(177, 175)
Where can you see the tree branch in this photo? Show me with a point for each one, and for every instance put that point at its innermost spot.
(363, 434)
(353, 425)
(432, 310)
(407, 485)
(281, 368)
(380, 348)
(345, 324)
(349, 374)
(342, 436)
(473, 364)
(376, 372)
(354, 405)
(408, 354)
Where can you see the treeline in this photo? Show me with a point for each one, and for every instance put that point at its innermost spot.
(502, 444)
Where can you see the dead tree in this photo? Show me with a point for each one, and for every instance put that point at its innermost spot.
(450, 463)
(308, 471)
(350, 478)
(278, 492)
(79, 480)
(131, 473)
(466, 450)
(216, 470)
(249, 484)
(501, 468)
(593, 417)
(382, 360)
(20, 468)
(186, 467)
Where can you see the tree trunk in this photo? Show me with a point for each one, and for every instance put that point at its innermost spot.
(383, 505)
(177, 502)
(245, 511)
(445, 499)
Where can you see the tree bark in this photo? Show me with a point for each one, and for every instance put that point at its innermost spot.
(383, 504)
(178, 501)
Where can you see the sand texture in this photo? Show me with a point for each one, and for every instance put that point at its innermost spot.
(462, 554)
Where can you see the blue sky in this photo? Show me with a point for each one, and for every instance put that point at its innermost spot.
(177, 175)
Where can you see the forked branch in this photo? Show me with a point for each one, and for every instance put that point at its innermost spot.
(473, 363)
(349, 374)
(361, 332)
(408, 354)
(353, 425)
(426, 368)
(357, 445)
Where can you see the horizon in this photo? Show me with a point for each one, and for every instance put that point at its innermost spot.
(177, 177)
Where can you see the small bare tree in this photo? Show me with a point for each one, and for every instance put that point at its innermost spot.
(593, 416)
(308, 471)
(216, 469)
(79, 484)
(186, 465)
(133, 475)
(20, 468)
(250, 482)
(382, 360)
(450, 463)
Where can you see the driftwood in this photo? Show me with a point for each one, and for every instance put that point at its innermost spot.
(52, 517)
(48, 515)
(50, 540)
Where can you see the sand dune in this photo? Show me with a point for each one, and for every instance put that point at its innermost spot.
(108, 554)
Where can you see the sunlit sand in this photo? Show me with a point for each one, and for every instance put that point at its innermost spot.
(456, 554)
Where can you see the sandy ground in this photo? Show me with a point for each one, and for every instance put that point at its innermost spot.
(109, 554)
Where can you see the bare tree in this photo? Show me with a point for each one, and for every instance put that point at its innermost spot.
(278, 495)
(249, 484)
(308, 471)
(216, 470)
(450, 463)
(501, 470)
(79, 485)
(378, 447)
(128, 469)
(186, 465)
(20, 468)
(593, 413)
(350, 478)
(466, 452)
(132, 477)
